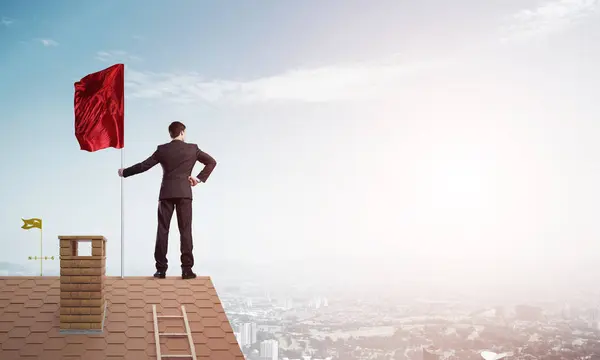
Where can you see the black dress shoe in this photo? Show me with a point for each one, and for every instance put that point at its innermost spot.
(188, 275)
(160, 274)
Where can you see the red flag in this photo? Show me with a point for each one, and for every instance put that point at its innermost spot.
(99, 109)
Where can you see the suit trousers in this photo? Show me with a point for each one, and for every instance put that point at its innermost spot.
(183, 206)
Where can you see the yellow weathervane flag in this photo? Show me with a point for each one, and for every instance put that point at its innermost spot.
(32, 223)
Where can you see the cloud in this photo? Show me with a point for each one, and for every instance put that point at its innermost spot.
(116, 56)
(320, 84)
(6, 21)
(48, 42)
(548, 18)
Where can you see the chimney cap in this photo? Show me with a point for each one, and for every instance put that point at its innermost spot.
(81, 237)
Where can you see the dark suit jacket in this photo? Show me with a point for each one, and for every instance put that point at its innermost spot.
(177, 159)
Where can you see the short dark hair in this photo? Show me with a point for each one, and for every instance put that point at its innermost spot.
(175, 129)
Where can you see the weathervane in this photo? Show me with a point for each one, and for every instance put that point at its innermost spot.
(36, 223)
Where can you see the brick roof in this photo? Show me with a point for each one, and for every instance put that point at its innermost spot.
(30, 317)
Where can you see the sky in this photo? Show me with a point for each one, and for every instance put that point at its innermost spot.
(448, 142)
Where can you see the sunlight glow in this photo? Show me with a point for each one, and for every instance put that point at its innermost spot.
(458, 181)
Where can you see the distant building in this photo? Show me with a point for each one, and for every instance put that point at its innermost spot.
(247, 334)
(566, 311)
(289, 304)
(594, 325)
(315, 302)
(594, 318)
(269, 350)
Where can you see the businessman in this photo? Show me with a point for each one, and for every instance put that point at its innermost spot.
(177, 159)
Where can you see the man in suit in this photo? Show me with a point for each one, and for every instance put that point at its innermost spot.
(177, 159)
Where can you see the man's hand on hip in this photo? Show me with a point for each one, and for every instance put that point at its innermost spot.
(193, 181)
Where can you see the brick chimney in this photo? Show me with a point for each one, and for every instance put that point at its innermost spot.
(82, 297)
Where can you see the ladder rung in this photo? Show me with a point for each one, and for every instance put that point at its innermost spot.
(187, 334)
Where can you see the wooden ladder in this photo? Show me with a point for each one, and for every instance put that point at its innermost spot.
(187, 333)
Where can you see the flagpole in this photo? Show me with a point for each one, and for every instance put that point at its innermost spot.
(41, 244)
(122, 229)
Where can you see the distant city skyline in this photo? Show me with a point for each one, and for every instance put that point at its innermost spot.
(414, 329)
